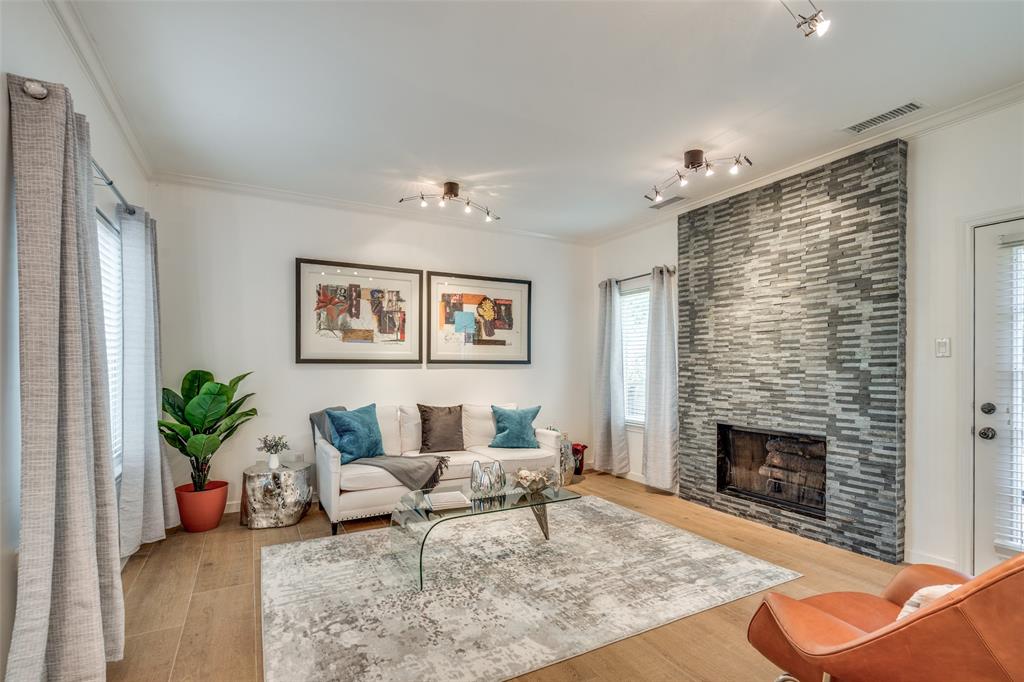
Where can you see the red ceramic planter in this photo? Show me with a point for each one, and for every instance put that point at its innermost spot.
(201, 511)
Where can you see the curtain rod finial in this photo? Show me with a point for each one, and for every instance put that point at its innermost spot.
(35, 89)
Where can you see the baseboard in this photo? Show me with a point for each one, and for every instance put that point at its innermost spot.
(917, 557)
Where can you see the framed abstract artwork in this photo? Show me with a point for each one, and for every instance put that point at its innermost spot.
(349, 312)
(474, 319)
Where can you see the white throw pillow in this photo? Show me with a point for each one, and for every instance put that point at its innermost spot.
(478, 426)
(412, 430)
(924, 597)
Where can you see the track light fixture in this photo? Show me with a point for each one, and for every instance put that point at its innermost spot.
(450, 192)
(816, 24)
(695, 162)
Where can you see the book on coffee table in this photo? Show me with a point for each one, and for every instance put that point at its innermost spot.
(447, 500)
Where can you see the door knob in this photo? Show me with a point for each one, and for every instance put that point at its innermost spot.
(987, 433)
(988, 408)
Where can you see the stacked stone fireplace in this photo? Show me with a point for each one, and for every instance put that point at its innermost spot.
(792, 316)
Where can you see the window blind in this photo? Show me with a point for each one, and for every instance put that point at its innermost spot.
(635, 309)
(111, 283)
(1009, 484)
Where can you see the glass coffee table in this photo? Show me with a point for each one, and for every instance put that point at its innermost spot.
(414, 516)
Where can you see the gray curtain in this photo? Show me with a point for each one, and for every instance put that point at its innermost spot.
(661, 430)
(611, 452)
(69, 618)
(146, 505)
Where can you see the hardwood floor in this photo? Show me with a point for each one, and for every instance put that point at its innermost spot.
(192, 601)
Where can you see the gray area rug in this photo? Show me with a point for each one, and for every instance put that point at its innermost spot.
(499, 600)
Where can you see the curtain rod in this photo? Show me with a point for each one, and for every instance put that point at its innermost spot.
(105, 179)
(671, 271)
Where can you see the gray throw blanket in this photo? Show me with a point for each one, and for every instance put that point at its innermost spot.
(415, 473)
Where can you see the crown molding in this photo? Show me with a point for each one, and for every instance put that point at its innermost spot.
(82, 44)
(348, 205)
(911, 130)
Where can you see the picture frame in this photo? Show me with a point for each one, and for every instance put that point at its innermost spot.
(475, 319)
(357, 313)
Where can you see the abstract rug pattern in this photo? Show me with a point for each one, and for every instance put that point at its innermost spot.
(498, 600)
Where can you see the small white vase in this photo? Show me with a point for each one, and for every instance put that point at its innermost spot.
(273, 462)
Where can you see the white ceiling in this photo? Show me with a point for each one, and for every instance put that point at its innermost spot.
(559, 116)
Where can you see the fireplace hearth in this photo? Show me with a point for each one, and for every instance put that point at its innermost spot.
(785, 470)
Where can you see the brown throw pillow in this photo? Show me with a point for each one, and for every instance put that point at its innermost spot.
(442, 428)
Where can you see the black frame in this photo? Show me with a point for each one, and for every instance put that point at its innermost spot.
(299, 262)
(431, 313)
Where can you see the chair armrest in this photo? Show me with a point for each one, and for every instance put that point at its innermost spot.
(547, 438)
(912, 578)
(328, 477)
(808, 629)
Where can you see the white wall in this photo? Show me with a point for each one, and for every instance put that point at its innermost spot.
(634, 254)
(33, 45)
(956, 173)
(228, 305)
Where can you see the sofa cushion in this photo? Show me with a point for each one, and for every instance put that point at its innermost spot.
(356, 476)
(356, 433)
(387, 418)
(511, 459)
(440, 428)
(478, 424)
(515, 428)
(411, 429)
(460, 463)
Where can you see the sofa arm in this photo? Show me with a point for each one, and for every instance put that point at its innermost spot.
(913, 578)
(328, 477)
(548, 439)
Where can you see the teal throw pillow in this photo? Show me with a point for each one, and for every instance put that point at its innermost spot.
(356, 433)
(515, 427)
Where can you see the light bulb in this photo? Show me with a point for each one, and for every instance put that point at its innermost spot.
(423, 202)
(355, 272)
(658, 197)
(708, 172)
(488, 218)
(822, 27)
(735, 169)
(468, 209)
(440, 203)
(682, 181)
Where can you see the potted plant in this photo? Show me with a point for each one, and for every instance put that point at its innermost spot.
(204, 415)
(273, 446)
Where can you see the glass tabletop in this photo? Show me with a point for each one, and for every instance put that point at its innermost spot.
(419, 511)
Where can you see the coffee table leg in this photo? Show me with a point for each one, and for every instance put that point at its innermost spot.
(540, 512)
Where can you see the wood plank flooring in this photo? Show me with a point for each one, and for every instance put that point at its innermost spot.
(192, 601)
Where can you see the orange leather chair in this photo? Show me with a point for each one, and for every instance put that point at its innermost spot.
(973, 634)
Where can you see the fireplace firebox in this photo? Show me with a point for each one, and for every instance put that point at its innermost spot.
(780, 469)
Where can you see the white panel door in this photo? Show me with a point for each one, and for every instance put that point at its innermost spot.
(998, 392)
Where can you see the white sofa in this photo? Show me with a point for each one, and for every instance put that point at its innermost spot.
(353, 491)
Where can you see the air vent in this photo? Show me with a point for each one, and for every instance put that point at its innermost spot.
(667, 202)
(891, 115)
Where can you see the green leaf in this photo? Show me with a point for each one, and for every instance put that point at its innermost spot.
(215, 388)
(175, 441)
(233, 407)
(192, 382)
(181, 430)
(202, 446)
(205, 409)
(230, 421)
(233, 384)
(174, 405)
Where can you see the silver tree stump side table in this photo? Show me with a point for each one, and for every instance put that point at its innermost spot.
(274, 498)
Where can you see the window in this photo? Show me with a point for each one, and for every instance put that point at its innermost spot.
(635, 308)
(110, 278)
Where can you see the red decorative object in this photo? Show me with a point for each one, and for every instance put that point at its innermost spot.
(201, 510)
(577, 454)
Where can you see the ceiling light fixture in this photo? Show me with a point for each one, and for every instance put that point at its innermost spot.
(450, 192)
(695, 162)
(816, 24)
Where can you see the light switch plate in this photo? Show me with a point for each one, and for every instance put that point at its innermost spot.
(942, 349)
